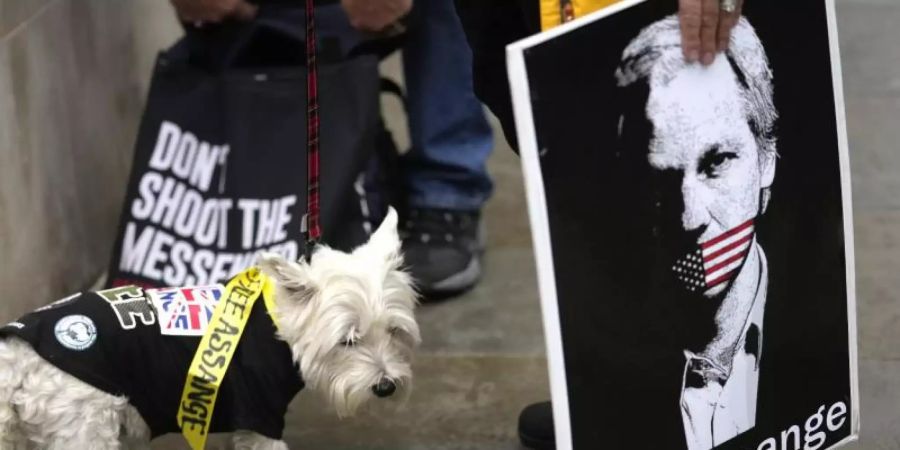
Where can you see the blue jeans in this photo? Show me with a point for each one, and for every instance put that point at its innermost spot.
(451, 139)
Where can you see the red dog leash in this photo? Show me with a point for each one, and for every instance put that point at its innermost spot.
(312, 227)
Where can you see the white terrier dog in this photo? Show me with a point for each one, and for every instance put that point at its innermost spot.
(347, 319)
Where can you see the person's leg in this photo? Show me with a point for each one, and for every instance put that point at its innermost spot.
(444, 174)
(490, 26)
(450, 136)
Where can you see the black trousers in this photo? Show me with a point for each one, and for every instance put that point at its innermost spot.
(491, 25)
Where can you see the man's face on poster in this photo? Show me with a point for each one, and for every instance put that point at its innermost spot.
(704, 152)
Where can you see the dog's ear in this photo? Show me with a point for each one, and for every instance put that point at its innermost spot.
(288, 275)
(385, 242)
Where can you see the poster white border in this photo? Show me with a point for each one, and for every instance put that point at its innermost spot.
(537, 212)
(847, 200)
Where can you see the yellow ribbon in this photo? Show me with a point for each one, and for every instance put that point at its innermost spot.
(215, 351)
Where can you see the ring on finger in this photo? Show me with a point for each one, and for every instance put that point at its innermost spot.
(728, 6)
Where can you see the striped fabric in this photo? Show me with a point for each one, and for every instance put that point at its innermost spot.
(313, 229)
(715, 261)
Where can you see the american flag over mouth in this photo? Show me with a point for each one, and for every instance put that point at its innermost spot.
(715, 261)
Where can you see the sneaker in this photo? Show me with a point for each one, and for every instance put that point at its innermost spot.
(442, 249)
(536, 427)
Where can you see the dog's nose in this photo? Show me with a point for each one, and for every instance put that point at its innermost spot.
(384, 388)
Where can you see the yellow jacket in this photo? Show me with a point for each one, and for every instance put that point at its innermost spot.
(555, 12)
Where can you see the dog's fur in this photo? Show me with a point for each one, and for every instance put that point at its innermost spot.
(347, 317)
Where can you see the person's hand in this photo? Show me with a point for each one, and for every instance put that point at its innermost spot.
(706, 28)
(375, 15)
(200, 11)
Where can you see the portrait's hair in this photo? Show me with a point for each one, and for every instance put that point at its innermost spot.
(655, 56)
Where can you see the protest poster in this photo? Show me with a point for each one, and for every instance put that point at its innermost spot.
(692, 229)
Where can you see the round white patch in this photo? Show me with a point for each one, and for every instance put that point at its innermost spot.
(76, 332)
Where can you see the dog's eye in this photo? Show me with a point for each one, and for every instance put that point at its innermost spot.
(394, 331)
(348, 342)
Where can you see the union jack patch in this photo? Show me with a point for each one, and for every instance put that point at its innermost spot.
(185, 311)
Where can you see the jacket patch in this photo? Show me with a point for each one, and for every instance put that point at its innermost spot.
(185, 311)
(76, 332)
(129, 304)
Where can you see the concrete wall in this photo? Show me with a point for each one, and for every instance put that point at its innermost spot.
(73, 75)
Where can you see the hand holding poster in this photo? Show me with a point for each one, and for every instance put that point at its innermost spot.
(692, 229)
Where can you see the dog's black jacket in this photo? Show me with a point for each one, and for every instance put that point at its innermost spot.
(130, 357)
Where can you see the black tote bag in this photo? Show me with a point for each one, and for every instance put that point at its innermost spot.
(219, 172)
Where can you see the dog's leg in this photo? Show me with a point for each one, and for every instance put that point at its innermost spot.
(15, 359)
(136, 434)
(57, 411)
(246, 440)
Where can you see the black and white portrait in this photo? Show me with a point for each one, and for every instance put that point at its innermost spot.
(695, 218)
(706, 135)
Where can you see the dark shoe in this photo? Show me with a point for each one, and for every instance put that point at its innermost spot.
(536, 427)
(443, 250)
